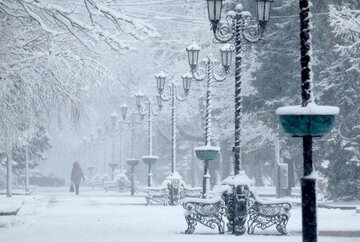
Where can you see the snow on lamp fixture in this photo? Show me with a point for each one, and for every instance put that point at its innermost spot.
(113, 118)
(226, 56)
(193, 54)
(186, 82)
(123, 110)
(263, 10)
(214, 11)
(160, 81)
(139, 98)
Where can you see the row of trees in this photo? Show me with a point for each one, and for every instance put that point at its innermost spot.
(50, 64)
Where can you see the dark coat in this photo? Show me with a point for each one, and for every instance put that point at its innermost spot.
(76, 174)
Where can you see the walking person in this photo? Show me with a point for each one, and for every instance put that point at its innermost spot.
(76, 175)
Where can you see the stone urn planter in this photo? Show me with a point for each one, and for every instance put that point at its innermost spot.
(132, 162)
(312, 120)
(207, 152)
(150, 159)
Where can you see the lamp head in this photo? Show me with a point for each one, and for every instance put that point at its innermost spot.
(160, 81)
(139, 97)
(123, 110)
(193, 54)
(187, 78)
(113, 118)
(214, 12)
(226, 56)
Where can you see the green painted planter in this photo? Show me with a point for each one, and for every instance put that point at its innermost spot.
(207, 152)
(150, 160)
(307, 125)
(312, 120)
(132, 162)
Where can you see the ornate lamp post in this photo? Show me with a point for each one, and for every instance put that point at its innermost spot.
(307, 121)
(103, 139)
(144, 109)
(206, 72)
(239, 30)
(113, 164)
(132, 162)
(174, 96)
(99, 131)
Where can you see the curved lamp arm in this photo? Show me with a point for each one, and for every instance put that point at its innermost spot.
(178, 96)
(226, 31)
(199, 73)
(166, 96)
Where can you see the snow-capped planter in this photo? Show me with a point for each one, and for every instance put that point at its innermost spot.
(173, 177)
(240, 179)
(207, 152)
(150, 159)
(312, 120)
(132, 162)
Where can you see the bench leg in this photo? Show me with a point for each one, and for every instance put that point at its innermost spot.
(191, 224)
(148, 201)
(281, 227)
(221, 225)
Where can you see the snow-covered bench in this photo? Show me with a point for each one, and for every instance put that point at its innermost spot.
(110, 186)
(192, 192)
(157, 195)
(266, 213)
(209, 212)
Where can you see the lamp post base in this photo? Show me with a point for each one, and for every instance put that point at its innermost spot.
(309, 207)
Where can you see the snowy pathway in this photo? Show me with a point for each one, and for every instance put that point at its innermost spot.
(98, 216)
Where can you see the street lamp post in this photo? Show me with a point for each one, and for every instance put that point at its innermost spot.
(174, 96)
(99, 137)
(146, 109)
(238, 29)
(206, 72)
(113, 164)
(132, 162)
(307, 121)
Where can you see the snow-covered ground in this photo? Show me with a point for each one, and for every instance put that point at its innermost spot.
(58, 216)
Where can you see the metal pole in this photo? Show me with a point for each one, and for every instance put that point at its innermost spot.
(89, 155)
(121, 148)
(113, 147)
(149, 176)
(277, 167)
(239, 22)
(173, 137)
(132, 180)
(104, 155)
(209, 74)
(133, 135)
(308, 182)
(192, 167)
(149, 129)
(149, 142)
